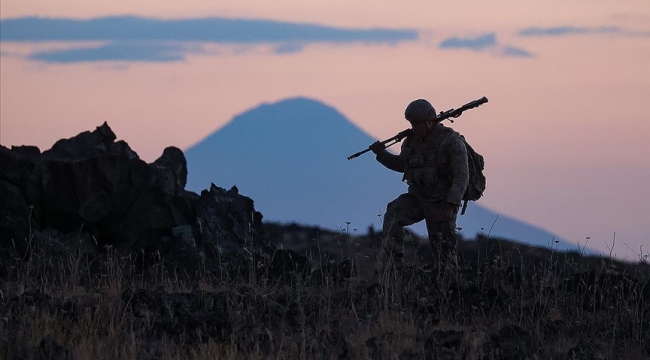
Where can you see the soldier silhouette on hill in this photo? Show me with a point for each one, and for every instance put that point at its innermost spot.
(433, 159)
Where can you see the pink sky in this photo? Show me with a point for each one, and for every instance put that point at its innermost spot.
(565, 133)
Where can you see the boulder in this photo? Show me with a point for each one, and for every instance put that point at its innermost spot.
(95, 188)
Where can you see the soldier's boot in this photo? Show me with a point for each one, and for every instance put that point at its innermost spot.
(392, 253)
(444, 247)
(393, 244)
(393, 247)
(450, 262)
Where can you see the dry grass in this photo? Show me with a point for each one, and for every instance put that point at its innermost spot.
(342, 304)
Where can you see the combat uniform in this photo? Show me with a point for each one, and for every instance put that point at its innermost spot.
(436, 171)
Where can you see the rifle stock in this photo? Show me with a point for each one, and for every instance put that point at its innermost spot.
(444, 115)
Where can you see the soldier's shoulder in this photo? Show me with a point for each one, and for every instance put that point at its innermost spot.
(455, 140)
(453, 135)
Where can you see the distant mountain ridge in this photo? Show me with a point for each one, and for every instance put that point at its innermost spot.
(290, 158)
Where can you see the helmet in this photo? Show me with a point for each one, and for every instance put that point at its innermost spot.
(420, 110)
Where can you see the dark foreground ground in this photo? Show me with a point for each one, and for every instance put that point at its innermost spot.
(324, 296)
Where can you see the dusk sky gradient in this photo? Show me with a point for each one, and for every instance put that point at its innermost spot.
(566, 132)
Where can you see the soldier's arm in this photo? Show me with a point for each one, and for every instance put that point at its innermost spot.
(459, 169)
(391, 161)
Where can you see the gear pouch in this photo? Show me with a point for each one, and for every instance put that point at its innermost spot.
(417, 161)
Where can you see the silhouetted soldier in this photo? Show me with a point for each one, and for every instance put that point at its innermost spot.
(434, 162)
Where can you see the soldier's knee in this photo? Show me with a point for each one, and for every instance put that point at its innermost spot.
(392, 208)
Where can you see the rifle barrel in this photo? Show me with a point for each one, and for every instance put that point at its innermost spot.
(357, 154)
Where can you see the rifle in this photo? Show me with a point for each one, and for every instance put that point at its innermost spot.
(444, 115)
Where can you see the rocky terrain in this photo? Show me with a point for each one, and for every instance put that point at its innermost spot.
(104, 256)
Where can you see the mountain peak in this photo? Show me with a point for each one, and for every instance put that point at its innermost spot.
(291, 117)
(294, 104)
(297, 101)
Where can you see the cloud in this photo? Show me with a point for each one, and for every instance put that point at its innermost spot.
(288, 48)
(130, 38)
(482, 43)
(477, 44)
(568, 30)
(515, 52)
(120, 51)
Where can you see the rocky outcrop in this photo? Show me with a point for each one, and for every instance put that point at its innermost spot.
(96, 190)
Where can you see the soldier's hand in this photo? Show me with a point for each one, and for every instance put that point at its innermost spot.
(377, 147)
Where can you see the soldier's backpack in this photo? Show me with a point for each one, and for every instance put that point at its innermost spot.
(476, 184)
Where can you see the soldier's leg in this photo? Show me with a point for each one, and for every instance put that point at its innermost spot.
(405, 210)
(441, 227)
